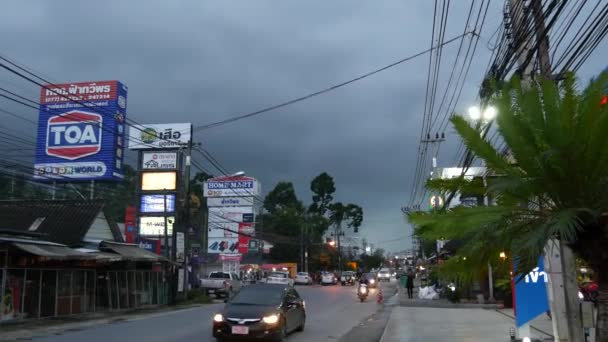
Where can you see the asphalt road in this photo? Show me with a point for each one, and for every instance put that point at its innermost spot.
(332, 312)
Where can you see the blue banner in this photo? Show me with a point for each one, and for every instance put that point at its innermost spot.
(531, 294)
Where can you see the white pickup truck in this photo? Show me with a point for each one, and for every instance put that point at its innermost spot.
(222, 284)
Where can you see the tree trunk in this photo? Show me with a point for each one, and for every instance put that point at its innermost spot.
(602, 306)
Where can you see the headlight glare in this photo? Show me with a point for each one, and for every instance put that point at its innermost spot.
(218, 318)
(272, 319)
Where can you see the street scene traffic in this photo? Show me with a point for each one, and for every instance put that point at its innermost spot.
(304, 171)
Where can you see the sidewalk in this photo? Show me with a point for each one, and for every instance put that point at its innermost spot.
(438, 303)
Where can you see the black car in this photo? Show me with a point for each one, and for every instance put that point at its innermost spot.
(260, 311)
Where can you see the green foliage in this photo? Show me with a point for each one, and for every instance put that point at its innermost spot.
(196, 296)
(551, 185)
(322, 188)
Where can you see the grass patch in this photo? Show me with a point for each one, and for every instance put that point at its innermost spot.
(196, 296)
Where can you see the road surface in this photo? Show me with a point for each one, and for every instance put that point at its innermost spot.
(332, 311)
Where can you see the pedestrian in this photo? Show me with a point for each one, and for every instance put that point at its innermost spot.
(409, 283)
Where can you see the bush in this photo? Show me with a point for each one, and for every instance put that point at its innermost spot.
(197, 296)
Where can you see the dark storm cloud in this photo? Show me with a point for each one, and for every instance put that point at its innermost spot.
(204, 61)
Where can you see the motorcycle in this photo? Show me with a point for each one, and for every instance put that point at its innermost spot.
(362, 292)
(588, 292)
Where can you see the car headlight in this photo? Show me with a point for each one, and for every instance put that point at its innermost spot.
(218, 318)
(372, 281)
(272, 319)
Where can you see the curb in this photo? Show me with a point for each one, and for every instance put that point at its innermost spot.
(531, 326)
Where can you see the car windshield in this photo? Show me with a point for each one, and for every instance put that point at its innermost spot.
(258, 295)
(302, 274)
(219, 275)
(348, 273)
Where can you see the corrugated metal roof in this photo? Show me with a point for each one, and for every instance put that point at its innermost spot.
(51, 251)
(130, 251)
(65, 222)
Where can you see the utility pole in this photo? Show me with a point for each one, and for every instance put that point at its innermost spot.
(186, 221)
(559, 259)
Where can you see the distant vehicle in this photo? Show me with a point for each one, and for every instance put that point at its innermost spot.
(222, 284)
(260, 311)
(348, 278)
(279, 278)
(372, 279)
(303, 278)
(328, 278)
(384, 275)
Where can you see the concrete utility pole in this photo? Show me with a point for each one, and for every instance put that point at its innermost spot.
(559, 259)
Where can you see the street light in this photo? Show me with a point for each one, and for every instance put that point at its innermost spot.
(503, 255)
(488, 114)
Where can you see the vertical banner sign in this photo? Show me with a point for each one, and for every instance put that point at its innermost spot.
(531, 294)
(245, 232)
(81, 132)
(130, 230)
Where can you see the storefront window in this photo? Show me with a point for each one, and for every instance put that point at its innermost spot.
(78, 295)
(31, 301)
(49, 287)
(13, 295)
(64, 293)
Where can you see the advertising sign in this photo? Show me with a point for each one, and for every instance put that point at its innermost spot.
(222, 245)
(159, 161)
(531, 294)
(231, 257)
(159, 136)
(223, 230)
(245, 233)
(228, 214)
(231, 187)
(150, 245)
(130, 224)
(155, 225)
(81, 132)
(156, 203)
(230, 201)
(151, 181)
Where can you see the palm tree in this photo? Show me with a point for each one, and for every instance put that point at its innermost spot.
(552, 184)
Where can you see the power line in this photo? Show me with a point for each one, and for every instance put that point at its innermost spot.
(326, 90)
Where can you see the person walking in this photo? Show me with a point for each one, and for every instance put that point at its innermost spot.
(409, 283)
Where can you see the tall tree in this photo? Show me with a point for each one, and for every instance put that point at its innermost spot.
(322, 188)
(551, 186)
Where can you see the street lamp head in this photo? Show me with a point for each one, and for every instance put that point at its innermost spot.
(238, 174)
(489, 113)
(474, 113)
(503, 255)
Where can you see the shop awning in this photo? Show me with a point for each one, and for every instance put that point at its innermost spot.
(57, 252)
(130, 251)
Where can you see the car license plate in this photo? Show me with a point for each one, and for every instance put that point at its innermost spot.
(240, 330)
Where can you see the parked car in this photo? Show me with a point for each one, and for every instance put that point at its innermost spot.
(222, 284)
(260, 311)
(328, 278)
(384, 275)
(348, 278)
(279, 277)
(303, 278)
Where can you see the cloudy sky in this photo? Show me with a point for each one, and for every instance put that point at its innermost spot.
(204, 61)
